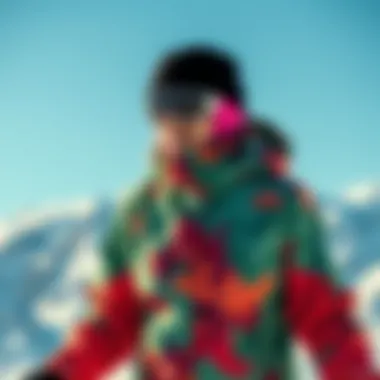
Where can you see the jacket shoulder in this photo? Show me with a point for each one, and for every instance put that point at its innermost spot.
(126, 228)
(137, 199)
(294, 192)
(303, 195)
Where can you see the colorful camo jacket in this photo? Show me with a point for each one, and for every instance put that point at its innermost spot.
(225, 264)
(208, 258)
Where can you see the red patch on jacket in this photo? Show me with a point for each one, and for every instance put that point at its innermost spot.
(269, 199)
(155, 304)
(272, 376)
(180, 176)
(319, 314)
(277, 162)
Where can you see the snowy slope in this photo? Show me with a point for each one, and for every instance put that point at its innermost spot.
(46, 258)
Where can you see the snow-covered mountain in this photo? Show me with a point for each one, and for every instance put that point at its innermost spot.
(46, 258)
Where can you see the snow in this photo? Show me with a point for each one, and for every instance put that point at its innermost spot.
(15, 340)
(331, 216)
(29, 220)
(16, 372)
(48, 256)
(368, 294)
(57, 313)
(363, 193)
(343, 252)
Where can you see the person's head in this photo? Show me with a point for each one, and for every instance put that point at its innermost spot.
(194, 91)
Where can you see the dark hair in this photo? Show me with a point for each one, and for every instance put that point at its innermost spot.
(202, 66)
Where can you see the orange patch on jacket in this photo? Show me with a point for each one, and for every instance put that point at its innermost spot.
(210, 154)
(198, 284)
(269, 199)
(239, 298)
(232, 296)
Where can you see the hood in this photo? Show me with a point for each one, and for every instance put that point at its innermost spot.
(272, 136)
(256, 150)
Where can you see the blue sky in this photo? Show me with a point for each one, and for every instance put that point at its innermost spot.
(72, 77)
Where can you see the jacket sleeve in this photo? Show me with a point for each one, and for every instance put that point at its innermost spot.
(110, 333)
(318, 309)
